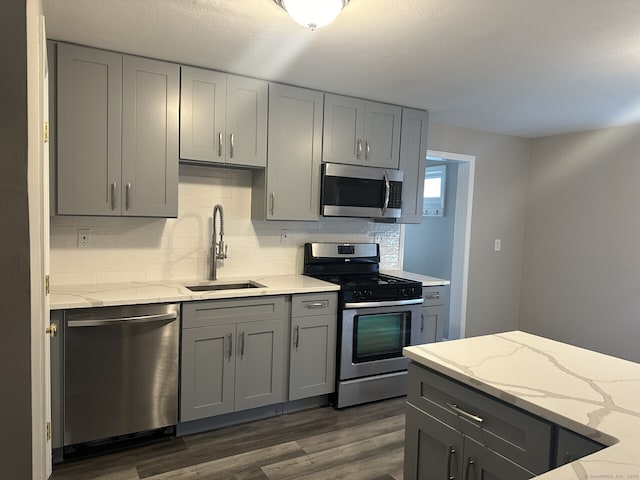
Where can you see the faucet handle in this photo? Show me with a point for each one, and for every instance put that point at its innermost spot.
(226, 247)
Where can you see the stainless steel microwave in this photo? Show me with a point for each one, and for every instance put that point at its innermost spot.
(355, 191)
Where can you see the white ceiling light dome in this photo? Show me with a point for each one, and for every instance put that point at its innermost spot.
(313, 13)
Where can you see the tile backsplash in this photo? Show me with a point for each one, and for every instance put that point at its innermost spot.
(147, 249)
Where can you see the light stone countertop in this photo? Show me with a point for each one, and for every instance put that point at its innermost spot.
(130, 293)
(590, 393)
(426, 280)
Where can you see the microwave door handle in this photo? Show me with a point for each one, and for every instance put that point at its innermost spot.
(387, 190)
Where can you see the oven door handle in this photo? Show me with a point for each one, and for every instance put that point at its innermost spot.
(391, 303)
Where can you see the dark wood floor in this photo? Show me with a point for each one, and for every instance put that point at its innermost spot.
(365, 442)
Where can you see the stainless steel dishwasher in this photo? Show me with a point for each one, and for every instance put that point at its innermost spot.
(120, 371)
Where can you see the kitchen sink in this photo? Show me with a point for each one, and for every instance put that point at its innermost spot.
(212, 287)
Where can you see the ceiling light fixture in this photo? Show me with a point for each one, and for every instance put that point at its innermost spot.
(313, 13)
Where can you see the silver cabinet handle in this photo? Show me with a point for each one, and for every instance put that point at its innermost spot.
(470, 462)
(296, 337)
(450, 452)
(465, 414)
(230, 348)
(111, 321)
(315, 305)
(367, 150)
(219, 144)
(359, 152)
(422, 323)
(242, 345)
(387, 192)
(114, 187)
(128, 196)
(273, 201)
(231, 145)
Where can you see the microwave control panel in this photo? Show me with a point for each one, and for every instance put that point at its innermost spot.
(395, 195)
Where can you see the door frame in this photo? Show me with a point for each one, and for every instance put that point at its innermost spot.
(38, 112)
(461, 239)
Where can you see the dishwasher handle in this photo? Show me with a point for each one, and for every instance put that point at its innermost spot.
(112, 321)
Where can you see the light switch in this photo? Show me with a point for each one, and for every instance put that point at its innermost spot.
(497, 245)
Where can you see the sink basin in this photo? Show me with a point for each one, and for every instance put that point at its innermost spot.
(222, 286)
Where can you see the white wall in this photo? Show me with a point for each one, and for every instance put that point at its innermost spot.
(143, 249)
(582, 255)
(499, 197)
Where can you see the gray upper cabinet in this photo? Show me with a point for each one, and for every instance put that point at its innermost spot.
(361, 132)
(117, 134)
(223, 118)
(150, 137)
(89, 157)
(413, 161)
(289, 189)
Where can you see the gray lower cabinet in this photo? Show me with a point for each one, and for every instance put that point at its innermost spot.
(436, 451)
(289, 188)
(413, 161)
(233, 355)
(313, 345)
(433, 316)
(223, 118)
(117, 134)
(570, 446)
(456, 430)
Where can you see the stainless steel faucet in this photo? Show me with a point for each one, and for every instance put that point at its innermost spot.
(218, 249)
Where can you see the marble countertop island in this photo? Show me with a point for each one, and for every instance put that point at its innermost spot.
(590, 393)
(131, 293)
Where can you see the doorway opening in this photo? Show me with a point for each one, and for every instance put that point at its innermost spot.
(439, 246)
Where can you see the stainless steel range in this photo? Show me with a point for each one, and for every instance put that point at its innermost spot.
(378, 316)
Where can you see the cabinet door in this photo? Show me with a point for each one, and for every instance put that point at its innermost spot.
(343, 129)
(480, 463)
(246, 121)
(382, 135)
(312, 360)
(433, 450)
(207, 375)
(571, 446)
(413, 161)
(202, 114)
(431, 320)
(259, 364)
(89, 131)
(294, 152)
(150, 137)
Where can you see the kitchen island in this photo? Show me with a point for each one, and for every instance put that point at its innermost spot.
(594, 395)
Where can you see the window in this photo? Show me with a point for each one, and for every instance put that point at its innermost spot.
(434, 188)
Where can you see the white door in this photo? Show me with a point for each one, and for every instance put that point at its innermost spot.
(44, 213)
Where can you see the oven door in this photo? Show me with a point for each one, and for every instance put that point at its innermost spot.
(372, 337)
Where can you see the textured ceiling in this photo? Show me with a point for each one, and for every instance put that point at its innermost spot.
(521, 67)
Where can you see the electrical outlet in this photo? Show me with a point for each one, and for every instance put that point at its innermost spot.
(497, 245)
(84, 237)
(284, 236)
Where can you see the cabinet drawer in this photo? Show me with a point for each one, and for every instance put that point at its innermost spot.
(505, 429)
(312, 304)
(435, 295)
(220, 312)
